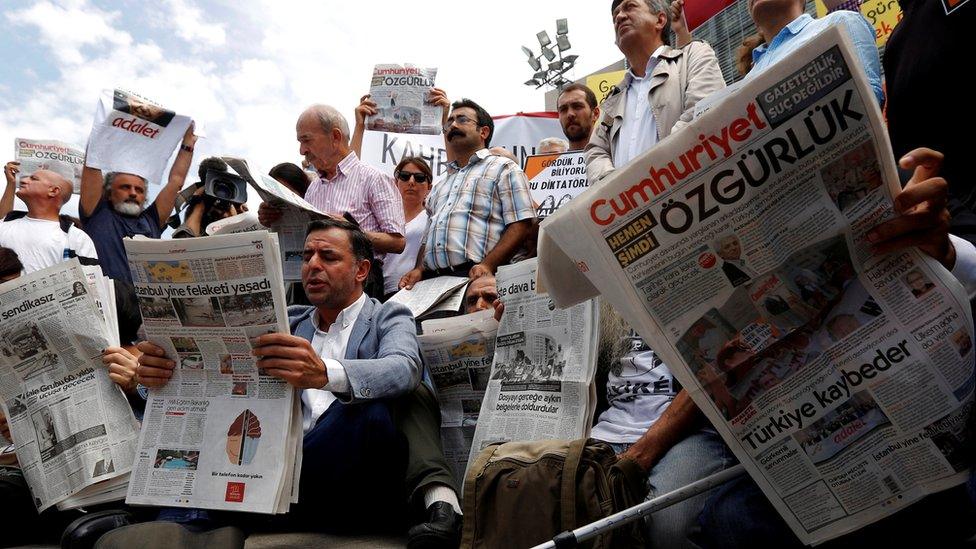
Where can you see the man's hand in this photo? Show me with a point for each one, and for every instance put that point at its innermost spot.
(268, 215)
(923, 219)
(412, 277)
(122, 367)
(678, 24)
(154, 369)
(290, 358)
(439, 98)
(645, 460)
(5, 427)
(190, 138)
(367, 107)
(10, 171)
(480, 270)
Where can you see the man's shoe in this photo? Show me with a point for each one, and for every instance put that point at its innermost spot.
(85, 531)
(441, 531)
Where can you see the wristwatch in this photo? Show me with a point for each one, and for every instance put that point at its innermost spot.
(185, 147)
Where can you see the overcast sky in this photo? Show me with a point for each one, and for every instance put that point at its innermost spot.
(245, 68)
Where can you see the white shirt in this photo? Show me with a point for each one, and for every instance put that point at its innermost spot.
(638, 131)
(397, 265)
(40, 243)
(639, 389)
(330, 346)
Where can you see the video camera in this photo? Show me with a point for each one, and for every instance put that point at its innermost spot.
(221, 190)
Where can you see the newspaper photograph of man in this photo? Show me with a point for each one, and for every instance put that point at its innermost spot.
(129, 103)
(198, 311)
(729, 249)
(47, 433)
(918, 283)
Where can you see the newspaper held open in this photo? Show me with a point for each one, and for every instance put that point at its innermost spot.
(220, 434)
(541, 384)
(44, 154)
(74, 431)
(737, 248)
(400, 93)
(458, 352)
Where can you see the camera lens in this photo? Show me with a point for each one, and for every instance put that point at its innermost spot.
(223, 190)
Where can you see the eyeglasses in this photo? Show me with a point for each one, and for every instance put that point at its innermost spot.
(418, 177)
(460, 120)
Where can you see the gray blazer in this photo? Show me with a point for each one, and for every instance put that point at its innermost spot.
(382, 357)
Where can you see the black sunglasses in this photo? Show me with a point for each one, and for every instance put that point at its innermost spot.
(417, 176)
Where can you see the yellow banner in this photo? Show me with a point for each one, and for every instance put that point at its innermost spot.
(602, 83)
(883, 15)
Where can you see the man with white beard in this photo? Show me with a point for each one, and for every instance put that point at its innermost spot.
(113, 207)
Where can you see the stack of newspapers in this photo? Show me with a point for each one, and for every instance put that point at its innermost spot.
(220, 434)
(73, 431)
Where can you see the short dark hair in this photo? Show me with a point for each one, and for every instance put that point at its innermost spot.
(213, 163)
(362, 248)
(9, 263)
(418, 161)
(590, 96)
(484, 119)
(293, 176)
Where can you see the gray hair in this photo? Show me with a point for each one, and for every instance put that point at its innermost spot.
(656, 6)
(110, 178)
(559, 143)
(329, 117)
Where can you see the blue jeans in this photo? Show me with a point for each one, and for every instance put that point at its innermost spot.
(700, 454)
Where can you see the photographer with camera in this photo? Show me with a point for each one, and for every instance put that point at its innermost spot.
(218, 194)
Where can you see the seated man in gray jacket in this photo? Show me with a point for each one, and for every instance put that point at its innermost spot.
(349, 354)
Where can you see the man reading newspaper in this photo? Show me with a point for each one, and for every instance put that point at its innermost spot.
(348, 354)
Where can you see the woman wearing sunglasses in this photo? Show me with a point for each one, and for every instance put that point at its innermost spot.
(413, 179)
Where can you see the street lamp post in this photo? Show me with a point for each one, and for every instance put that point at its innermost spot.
(552, 71)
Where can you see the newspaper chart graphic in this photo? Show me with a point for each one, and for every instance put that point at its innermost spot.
(243, 438)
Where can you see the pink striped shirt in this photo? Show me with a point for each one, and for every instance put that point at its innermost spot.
(365, 192)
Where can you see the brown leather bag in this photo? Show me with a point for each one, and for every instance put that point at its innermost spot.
(520, 494)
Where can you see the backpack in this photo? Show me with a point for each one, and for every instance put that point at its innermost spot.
(521, 494)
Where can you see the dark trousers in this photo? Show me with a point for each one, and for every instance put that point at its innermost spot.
(418, 417)
(352, 471)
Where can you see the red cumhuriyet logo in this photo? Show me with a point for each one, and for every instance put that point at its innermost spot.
(235, 492)
(136, 125)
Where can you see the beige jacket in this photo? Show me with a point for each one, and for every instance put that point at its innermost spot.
(673, 97)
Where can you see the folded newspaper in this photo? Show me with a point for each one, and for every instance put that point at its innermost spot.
(74, 432)
(61, 158)
(433, 297)
(736, 247)
(221, 434)
(290, 229)
(400, 93)
(541, 381)
(458, 352)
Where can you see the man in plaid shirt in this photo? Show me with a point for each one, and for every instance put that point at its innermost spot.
(481, 214)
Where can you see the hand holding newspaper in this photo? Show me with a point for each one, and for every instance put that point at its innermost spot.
(400, 93)
(74, 431)
(541, 384)
(220, 434)
(441, 294)
(737, 249)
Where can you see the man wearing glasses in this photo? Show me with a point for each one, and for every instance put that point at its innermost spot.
(482, 213)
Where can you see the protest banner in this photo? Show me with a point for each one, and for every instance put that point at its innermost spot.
(883, 15)
(555, 179)
(602, 83)
(518, 133)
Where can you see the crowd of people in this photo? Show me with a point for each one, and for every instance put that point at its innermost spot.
(371, 417)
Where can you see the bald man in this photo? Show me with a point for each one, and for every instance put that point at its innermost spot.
(42, 237)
